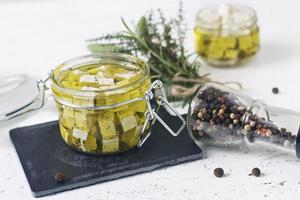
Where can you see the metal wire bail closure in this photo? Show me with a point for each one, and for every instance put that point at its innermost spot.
(151, 115)
(36, 103)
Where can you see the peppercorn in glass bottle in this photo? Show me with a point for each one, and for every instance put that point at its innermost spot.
(223, 117)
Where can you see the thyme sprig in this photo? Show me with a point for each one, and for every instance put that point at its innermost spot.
(160, 41)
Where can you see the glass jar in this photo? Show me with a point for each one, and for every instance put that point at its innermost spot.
(226, 35)
(104, 102)
(223, 117)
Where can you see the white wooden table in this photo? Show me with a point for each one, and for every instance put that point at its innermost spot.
(36, 36)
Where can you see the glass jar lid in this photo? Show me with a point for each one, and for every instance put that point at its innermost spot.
(226, 17)
(18, 94)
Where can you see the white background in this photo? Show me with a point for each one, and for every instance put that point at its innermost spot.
(36, 36)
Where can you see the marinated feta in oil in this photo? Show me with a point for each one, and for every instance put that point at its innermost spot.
(109, 130)
(213, 47)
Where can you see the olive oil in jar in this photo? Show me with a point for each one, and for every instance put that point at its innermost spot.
(226, 35)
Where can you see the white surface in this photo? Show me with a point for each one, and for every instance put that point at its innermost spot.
(36, 36)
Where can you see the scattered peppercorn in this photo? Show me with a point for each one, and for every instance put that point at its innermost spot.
(255, 172)
(275, 90)
(219, 172)
(59, 177)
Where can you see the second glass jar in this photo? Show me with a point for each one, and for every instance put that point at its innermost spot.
(226, 35)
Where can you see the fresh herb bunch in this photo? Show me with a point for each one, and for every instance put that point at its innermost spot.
(160, 42)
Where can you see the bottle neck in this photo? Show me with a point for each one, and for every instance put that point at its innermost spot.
(271, 127)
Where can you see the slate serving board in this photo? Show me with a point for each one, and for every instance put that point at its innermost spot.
(43, 153)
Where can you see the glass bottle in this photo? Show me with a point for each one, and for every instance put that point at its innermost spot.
(223, 117)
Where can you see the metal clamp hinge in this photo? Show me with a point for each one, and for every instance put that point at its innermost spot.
(151, 115)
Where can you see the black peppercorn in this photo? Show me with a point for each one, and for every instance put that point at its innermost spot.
(210, 97)
(255, 172)
(227, 121)
(234, 110)
(59, 177)
(219, 172)
(283, 130)
(250, 138)
(218, 121)
(275, 90)
(207, 117)
(201, 133)
(226, 115)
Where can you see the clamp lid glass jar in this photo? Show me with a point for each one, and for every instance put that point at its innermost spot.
(104, 102)
(226, 35)
(222, 117)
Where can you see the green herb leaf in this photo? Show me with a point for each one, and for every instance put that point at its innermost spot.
(142, 28)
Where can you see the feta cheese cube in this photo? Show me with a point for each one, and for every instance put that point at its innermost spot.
(100, 74)
(80, 119)
(68, 122)
(127, 119)
(139, 106)
(88, 79)
(93, 71)
(110, 146)
(86, 120)
(68, 111)
(140, 118)
(78, 72)
(224, 10)
(107, 125)
(88, 88)
(245, 42)
(90, 143)
(106, 81)
(125, 75)
(80, 134)
(107, 129)
(231, 54)
(85, 101)
(132, 137)
(67, 117)
(103, 68)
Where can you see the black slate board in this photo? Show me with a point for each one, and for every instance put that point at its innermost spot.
(43, 153)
